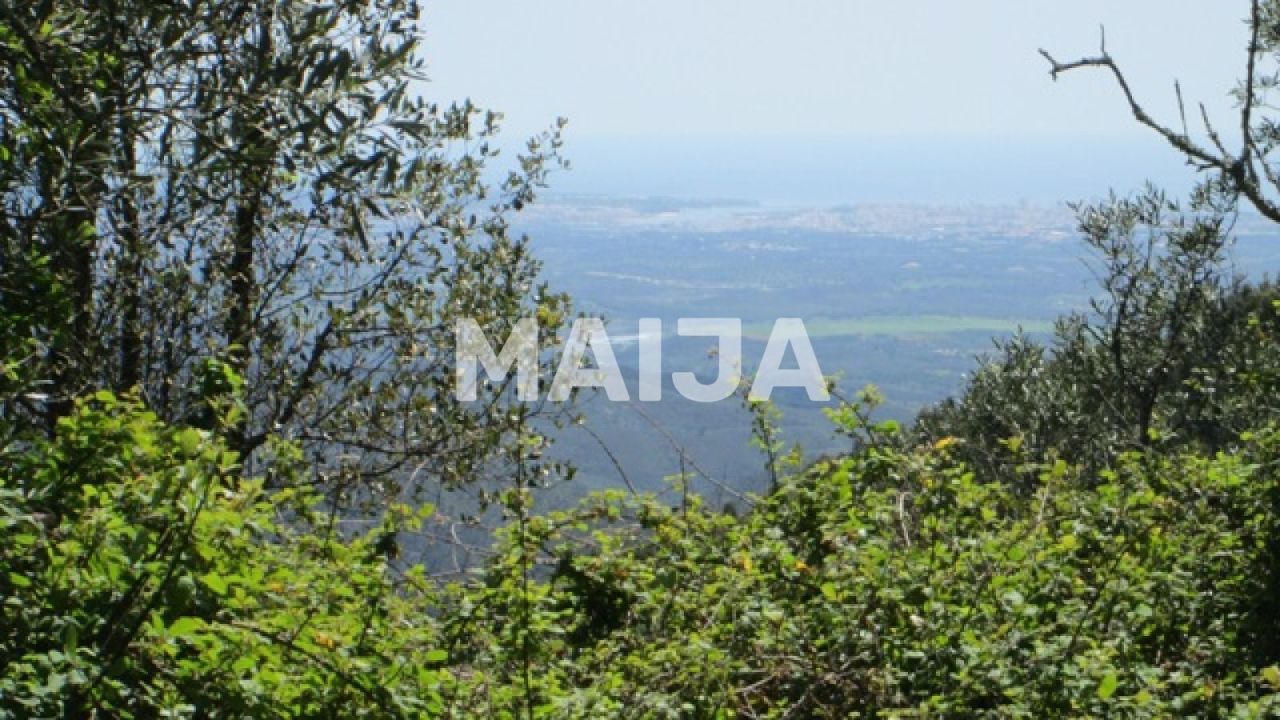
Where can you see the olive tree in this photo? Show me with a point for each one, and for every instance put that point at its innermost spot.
(202, 197)
(1175, 349)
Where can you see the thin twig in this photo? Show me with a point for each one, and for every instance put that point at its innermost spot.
(1239, 170)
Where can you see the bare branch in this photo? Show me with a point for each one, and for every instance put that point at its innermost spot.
(1240, 170)
(1211, 131)
(1246, 111)
(1182, 107)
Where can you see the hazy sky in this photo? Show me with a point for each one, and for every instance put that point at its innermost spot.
(824, 68)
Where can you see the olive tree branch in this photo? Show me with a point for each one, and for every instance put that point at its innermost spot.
(1241, 170)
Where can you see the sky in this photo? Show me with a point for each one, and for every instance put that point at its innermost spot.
(679, 86)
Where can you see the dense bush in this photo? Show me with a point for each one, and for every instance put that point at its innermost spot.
(142, 578)
(896, 583)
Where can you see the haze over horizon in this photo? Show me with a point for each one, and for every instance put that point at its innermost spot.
(830, 101)
(826, 171)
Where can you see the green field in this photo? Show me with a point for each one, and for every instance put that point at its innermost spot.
(904, 325)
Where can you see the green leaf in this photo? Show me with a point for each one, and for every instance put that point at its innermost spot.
(1108, 686)
(188, 440)
(829, 591)
(215, 582)
(185, 627)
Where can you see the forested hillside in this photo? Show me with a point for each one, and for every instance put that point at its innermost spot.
(232, 249)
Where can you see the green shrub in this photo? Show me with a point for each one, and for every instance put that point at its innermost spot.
(894, 583)
(142, 578)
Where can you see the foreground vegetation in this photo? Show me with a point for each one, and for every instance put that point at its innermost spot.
(143, 578)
